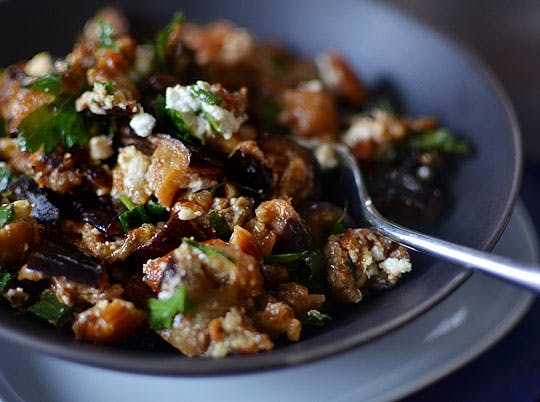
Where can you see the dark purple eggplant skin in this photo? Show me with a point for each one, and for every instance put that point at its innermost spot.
(292, 237)
(67, 260)
(99, 212)
(165, 240)
(250, 171)
(24, 188)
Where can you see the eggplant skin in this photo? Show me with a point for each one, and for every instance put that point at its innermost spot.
(24, 188)
(250, 171)
(67, 260)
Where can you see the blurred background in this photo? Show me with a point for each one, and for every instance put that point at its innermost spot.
(506, 35)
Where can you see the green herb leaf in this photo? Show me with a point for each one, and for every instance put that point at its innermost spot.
(162, 39)
(50, 309)
(315, 261)
(52, 84)
(133, 218)
(106, 34)
(438, 139)
(53, 124)
(6, 214)
(4, 279)
(205, 96)
(156, 212)
(5, 178)
(284, 258)
(220, 225)
(127, 202)
(162, 312)
(212, 121)
(172, 121)
(316, 318)
(339, 226)
(207, 249)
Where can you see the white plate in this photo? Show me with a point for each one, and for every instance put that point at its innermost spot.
(464, 325)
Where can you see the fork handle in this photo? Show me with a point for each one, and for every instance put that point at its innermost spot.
(523, 274)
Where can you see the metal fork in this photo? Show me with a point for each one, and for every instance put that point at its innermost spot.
(519, 273)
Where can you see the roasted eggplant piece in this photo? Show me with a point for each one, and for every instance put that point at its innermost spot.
(55, 259)
(24, 188)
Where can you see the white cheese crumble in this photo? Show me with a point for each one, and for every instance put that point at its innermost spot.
(326, 156)
(100, 147)
(330, 75)
(143, 62)
(193, 110)
(40, 65)
(311, 86)
(99, 100)
(142, 124)
(396, 266)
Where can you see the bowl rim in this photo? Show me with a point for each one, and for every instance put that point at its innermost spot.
(171, 366)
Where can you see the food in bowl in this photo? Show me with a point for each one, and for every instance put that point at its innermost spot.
(156, 188)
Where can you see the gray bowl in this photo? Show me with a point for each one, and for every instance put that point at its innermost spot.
(433, 77)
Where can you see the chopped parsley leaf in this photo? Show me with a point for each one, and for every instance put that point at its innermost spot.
(220, 225)
(106, 34)
(284, 258)
(162, 312)
(51, 84)
(5, 178)
(205, 96)
(207, 249)
(7, 214)
(316, 318)
(339, 226)
(53, 124)
(438, 139)
(162, 39)
(50, 309)
(4, 279)
(212, 121)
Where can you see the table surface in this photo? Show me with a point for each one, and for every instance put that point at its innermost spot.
(506, 35)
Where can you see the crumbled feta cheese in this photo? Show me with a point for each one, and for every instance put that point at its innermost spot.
(100, 147)
(99, 100)
(396, 266)
(330, 75)
(312, 86)
(142, 124)
(143, 63)
(40, 65)
(193, 110)
(187, 214)
(326, 156)
(380, 127)
(237, 44)
(129, 175)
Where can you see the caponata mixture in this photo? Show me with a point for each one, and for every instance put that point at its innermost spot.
(154, 190)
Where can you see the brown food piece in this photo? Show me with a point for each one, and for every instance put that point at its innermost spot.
(297, 296)
(310, 113)
(215, 282)
(108, 321)
(70, 292)
(320, 217)
(295, 168)
(277, 219)
(339, 78)
(362, 258)
(277, 318)
(234, 333)
(172, 169)
(19, 237)
(15, 102)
